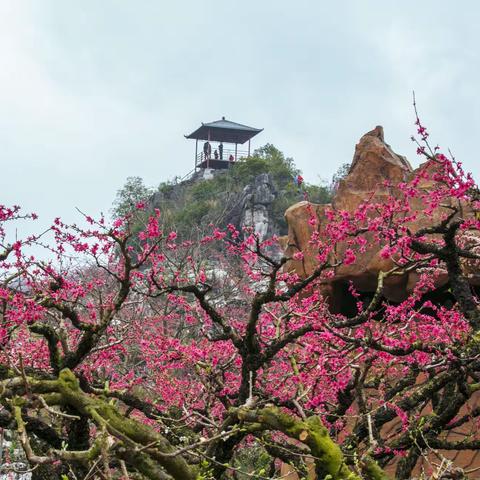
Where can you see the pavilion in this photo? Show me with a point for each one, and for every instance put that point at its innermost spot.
(222, 132)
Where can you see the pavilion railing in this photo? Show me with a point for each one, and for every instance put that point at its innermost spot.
(229, 155)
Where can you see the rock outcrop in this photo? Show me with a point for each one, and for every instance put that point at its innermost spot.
(255, 203)
(250, 207)
(374, 163)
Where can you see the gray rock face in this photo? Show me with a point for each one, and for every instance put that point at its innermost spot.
(256, 202)
(261, 191)
(252, 207)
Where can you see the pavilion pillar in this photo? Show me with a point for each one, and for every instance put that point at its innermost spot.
(249, 148)
(235, 152)
(208, 156)
(196, 153)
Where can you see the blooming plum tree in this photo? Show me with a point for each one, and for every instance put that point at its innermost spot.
(165, 360)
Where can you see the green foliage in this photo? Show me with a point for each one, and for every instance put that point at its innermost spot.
(129, 195)
(318, 193)
(254, 461)
(266, 159)
(205, 471)
(342, 172)
(190, 206)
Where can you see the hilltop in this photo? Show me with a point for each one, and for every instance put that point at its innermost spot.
(253, 192)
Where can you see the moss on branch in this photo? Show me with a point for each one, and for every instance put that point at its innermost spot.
(329, 459)
(136, 436)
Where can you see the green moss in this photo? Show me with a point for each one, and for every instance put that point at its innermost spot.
(68, 380)
(329, 459)
(130, 431)
(372, 471)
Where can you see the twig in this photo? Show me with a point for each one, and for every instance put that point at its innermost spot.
(56, 412)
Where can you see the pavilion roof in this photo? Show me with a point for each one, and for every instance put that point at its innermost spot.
(224, 131)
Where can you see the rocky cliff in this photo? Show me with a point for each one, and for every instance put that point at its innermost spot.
(256, 207)
(250, 206)
(374, 174)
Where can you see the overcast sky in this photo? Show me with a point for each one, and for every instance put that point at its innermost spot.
(92, 92)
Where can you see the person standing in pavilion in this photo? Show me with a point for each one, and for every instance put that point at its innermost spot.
(207, 150)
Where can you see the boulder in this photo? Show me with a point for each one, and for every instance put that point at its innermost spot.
(374, 174)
